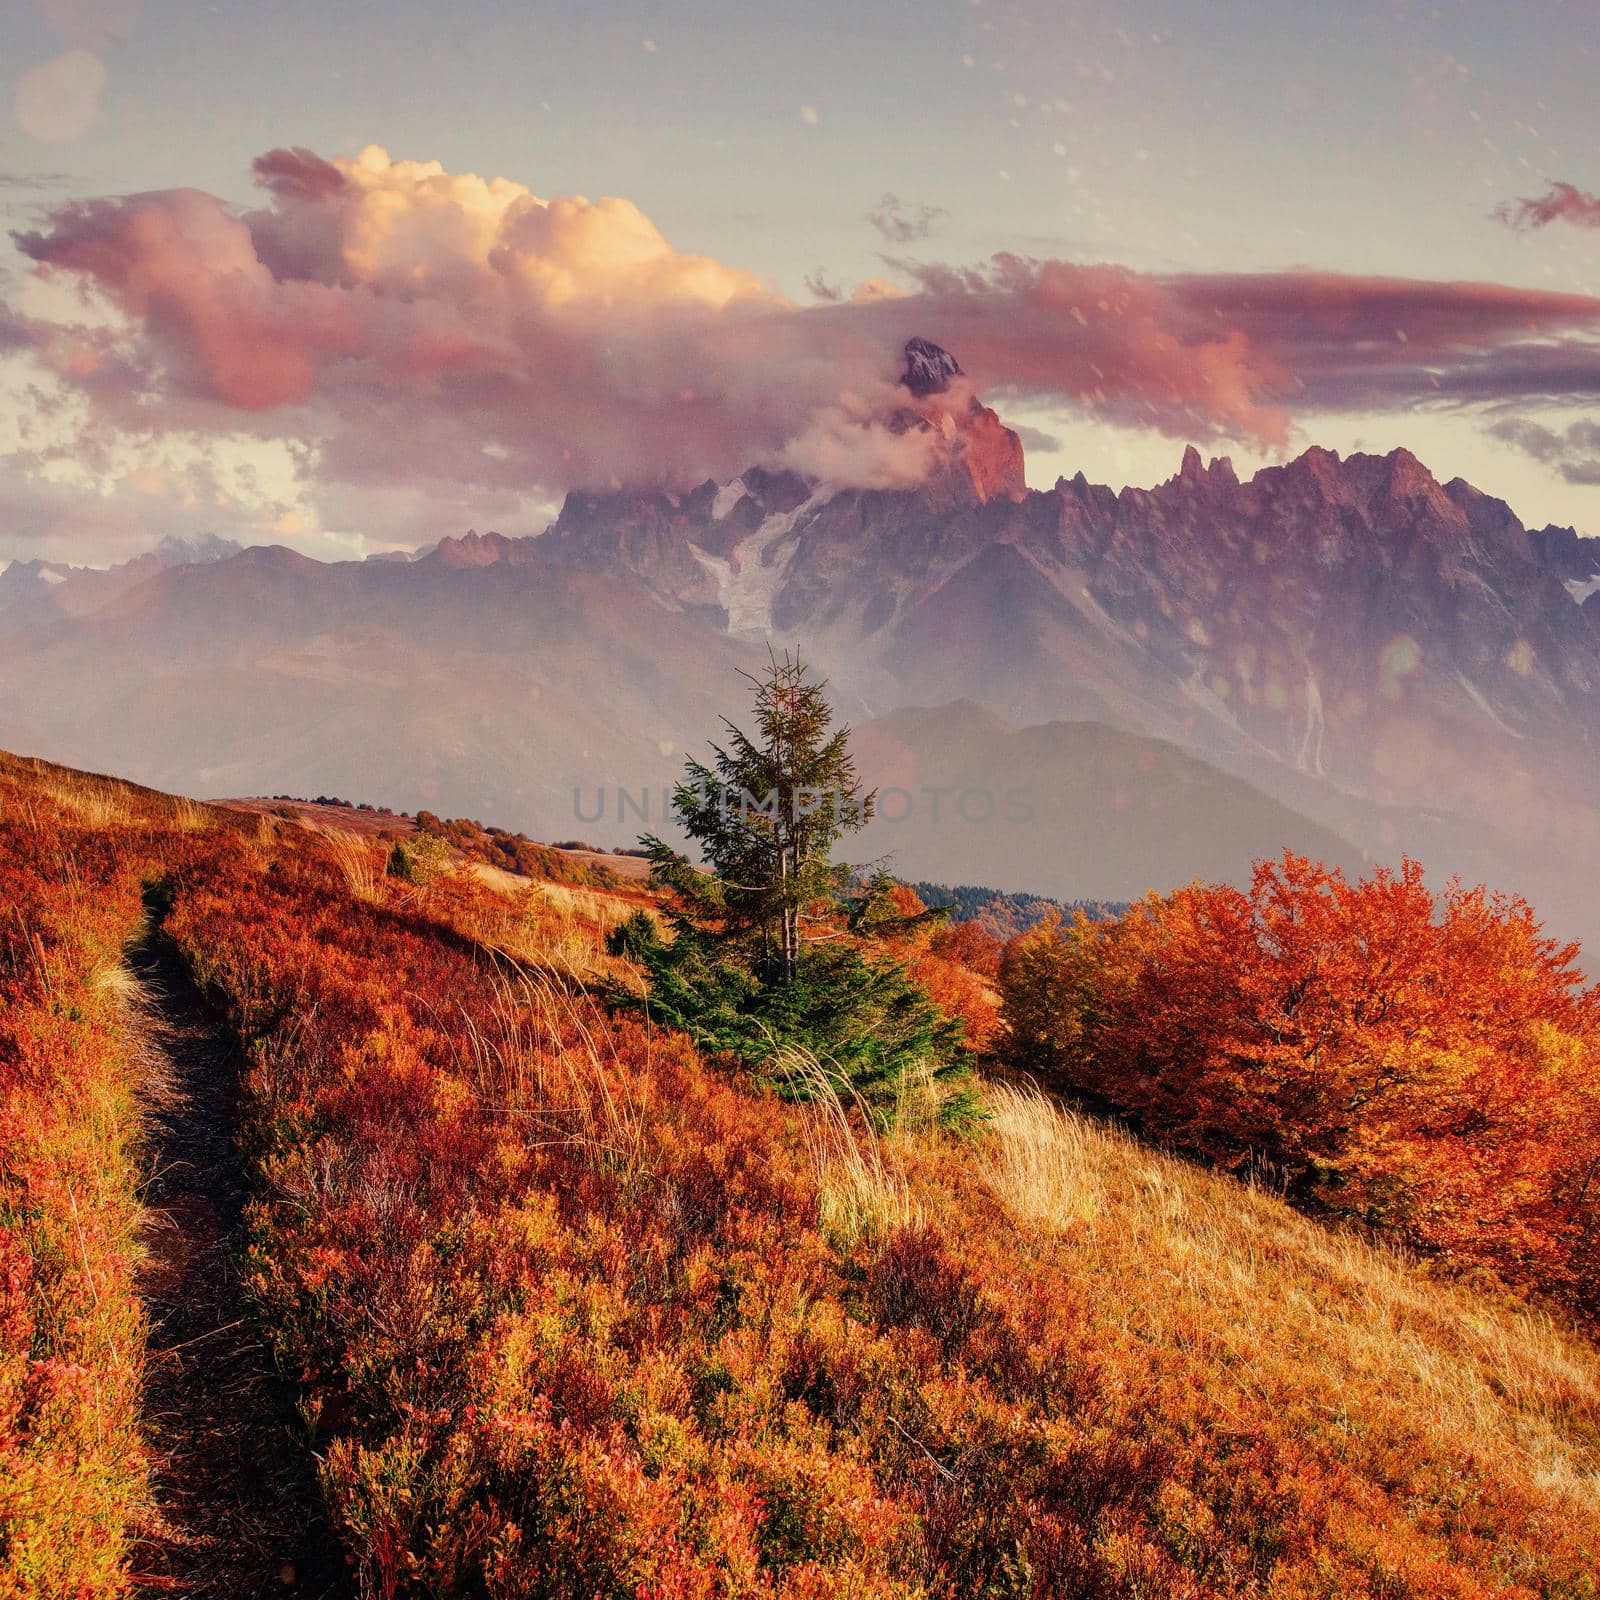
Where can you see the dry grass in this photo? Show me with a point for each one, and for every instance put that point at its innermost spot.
(545, 1056)
(1039, 1159)
(551, 926)
(72, 1340)
(362, 863)
(1345, 1333)
(1200, 1367)
(97, 803)
(861, 1190)
(188, 816)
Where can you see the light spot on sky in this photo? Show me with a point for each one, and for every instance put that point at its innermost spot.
(58, 100)
(808, 115)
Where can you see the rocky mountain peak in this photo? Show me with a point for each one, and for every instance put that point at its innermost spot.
(471, 549)
(1572, 556)
(977, 456)
(179, 550)
(1194, 473)
(929, 368)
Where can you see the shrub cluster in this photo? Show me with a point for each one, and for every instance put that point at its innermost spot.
(513, 852)
(1006, 915)
(1428, 1065)
(571, 1314)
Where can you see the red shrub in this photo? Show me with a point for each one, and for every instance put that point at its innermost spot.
(1429, 1065)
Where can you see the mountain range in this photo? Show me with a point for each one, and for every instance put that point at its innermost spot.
(1342, 655)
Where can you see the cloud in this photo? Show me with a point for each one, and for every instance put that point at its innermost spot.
(1573, 452)
(467, 342)
(33, 180)
(817, 285)
(1210, 355)
(847, 444)
(50, 508)
(15, 331)
(1037, 440)
(1562, 202)
(901, 224)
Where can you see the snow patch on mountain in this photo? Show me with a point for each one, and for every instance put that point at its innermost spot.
(727, 497)
(1581, 588)
(1309, 756)
(747, 580)
(193, 550)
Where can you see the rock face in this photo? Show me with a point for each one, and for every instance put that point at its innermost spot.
(976, 456)
(1566, 552)
(929, 368)
(1310, 612)
(1393, 656)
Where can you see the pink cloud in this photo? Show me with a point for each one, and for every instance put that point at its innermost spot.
(1217, 354)
(1562, 202)
(418, 326)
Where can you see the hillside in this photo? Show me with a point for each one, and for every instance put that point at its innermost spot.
(568, 1310)
(1067, 808)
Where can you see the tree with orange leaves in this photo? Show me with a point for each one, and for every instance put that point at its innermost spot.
(1427, 1064)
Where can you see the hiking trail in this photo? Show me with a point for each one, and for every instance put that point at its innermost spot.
(237, 1512)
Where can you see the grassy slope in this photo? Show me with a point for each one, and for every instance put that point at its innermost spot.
(1466, 1418)
(72, 1328)
(551, 1283)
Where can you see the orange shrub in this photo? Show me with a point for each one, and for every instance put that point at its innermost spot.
(1429, 1065)
(561, 1309)
(560, 1304)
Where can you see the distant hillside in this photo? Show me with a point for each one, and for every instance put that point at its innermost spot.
(1008, 914)
(1070, 809)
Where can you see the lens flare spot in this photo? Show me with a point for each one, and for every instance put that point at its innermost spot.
(1396, 662)
(58, 100)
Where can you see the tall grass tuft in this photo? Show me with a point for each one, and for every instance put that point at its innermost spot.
(188, 816)
(360, 861)
(1039, 1159)
(550, 926)
(861, 1190)
(543, 1053)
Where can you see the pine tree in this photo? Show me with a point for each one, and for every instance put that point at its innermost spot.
(766, 816)
(770, 936)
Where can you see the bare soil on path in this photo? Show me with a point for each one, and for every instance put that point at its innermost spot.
(236, 1509)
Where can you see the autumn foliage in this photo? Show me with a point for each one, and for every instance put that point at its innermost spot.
(567, 1311)
(570, 1317)
(1429, 1065)
(71, 1324)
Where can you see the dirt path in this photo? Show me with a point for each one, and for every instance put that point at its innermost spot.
(237, 1511)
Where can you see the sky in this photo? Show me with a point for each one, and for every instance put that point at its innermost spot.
(1135, 224)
